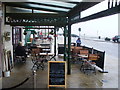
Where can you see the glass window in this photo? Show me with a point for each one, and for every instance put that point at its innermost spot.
(41, 11)
(49, 7)
(17, 10)
(57, 3)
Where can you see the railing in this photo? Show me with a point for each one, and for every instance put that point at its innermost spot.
(99, 62)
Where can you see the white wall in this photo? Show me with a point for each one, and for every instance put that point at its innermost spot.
(7, 45)
(0, 51)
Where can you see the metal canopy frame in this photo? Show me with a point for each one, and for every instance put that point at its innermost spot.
(35, 7)
(58, 16)
(35, 19)
(53, 17)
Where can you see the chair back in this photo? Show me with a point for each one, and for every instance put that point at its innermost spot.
(93, 57)
(35, 51)
(72, 47)
(84, 52)
(77, 49)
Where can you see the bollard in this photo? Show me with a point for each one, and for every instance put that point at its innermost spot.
(92, 50)
(34, 79)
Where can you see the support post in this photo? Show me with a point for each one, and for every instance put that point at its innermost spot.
(69, 50)
(45, 31)
(34, 78)
(65, 34)
(32, 11)
(54, 45)
(48, 31)
(1, 49)
(55, 41)
(4, 14)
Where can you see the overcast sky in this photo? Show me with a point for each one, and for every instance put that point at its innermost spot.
(104, 27)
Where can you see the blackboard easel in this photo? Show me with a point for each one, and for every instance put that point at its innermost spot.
(56, 74)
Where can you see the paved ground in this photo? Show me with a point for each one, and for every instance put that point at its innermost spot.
(111, 57)
(77, 79)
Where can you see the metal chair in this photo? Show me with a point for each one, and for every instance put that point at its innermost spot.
(89, 64)
(20, 59)
(83, 58)
(37, 61)
(84, 53)
(75, 52)
(20, 54)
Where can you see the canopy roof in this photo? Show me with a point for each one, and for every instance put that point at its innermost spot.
(49, 12)
(48, 6)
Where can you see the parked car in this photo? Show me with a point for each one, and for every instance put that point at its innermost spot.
(74, 35)
(116, 38)
(107, 39)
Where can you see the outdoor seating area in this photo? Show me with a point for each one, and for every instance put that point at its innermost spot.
(55, 44)
(39, 55)
(87, 57)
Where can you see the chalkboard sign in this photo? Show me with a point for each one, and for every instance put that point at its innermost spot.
(56, 74)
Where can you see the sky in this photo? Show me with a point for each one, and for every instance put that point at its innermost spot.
(104, 27)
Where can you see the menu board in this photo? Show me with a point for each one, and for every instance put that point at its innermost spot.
(57, 74)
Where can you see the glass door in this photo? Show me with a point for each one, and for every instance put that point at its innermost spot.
(16, 38)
